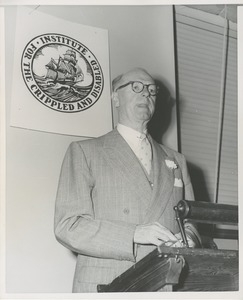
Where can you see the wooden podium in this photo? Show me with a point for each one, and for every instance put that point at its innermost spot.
(183, 269)
(151, 273)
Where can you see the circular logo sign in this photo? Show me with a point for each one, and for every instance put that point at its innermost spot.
(62, 73)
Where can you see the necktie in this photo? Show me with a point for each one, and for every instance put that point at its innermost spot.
(145, 152)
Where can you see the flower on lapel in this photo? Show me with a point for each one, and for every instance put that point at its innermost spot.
(171, 164)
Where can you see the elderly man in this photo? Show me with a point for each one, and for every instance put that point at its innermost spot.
(117, 192)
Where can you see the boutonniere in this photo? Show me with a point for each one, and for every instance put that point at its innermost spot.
(171, 164)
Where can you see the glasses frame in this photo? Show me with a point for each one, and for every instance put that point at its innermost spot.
(147, 85)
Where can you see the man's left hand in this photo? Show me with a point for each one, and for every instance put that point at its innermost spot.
(191, 243)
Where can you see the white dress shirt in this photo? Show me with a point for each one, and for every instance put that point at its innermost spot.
(134, 139)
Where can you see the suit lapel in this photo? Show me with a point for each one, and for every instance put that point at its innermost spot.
(126, 163)
(163, 184)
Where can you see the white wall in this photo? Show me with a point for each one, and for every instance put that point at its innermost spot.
(36, 262)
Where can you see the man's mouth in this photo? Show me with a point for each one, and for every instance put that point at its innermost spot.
(143, 105)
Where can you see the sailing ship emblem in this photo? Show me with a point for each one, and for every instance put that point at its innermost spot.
(65, 70)
(62, 73)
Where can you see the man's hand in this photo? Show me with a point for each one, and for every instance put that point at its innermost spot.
(191, 243)
(155, 234)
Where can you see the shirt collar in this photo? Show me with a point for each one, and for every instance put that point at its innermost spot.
(130, 133)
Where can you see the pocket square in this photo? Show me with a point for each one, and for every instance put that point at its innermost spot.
(178, 182)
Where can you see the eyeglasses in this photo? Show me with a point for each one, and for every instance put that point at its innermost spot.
(138, 87)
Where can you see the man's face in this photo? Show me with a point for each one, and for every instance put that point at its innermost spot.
(135, 107)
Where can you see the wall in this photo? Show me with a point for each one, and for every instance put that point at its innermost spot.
(35, 261)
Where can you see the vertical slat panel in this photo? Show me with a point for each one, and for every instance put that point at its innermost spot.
(199, 50)
(228, 180)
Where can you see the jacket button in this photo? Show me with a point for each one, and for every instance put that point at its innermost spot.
(126, 211)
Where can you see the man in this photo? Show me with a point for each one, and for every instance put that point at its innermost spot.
(115, 202)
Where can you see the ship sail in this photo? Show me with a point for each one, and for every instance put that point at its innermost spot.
(70, 56)
(51, 74)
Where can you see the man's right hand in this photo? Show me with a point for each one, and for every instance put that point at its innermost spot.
(154, 234)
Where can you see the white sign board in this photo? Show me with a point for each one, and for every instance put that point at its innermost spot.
(61, 80)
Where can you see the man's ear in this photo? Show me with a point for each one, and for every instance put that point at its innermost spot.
(115, 99)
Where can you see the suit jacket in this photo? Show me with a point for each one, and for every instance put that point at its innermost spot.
(103, 194)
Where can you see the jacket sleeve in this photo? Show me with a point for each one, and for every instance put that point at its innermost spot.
(76, 226)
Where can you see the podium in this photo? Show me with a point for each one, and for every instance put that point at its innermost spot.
(153, 272)
(182, 269)
(185, 269)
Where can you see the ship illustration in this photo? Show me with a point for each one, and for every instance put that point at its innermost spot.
(65, 70)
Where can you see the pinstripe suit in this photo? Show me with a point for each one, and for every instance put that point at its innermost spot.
(103, 194)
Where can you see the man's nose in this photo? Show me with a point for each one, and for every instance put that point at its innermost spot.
(145, 91)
